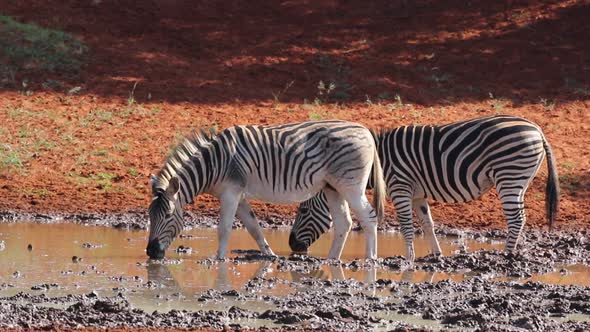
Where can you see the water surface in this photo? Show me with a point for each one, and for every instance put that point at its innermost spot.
(114, 261)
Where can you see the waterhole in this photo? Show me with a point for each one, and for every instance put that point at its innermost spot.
(61, 259)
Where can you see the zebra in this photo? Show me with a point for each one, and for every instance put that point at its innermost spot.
(456, 162)
(279, 164)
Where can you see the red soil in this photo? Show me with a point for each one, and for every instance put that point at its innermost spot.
(203, 63)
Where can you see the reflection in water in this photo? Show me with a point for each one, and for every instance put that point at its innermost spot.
(298, 276)
(118, 261)
(158, 273)
(337, 272)
(227, 271)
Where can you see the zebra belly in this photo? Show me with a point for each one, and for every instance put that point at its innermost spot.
(484, 184)
(267, 194)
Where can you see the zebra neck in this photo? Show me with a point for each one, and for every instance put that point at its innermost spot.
(197, 173)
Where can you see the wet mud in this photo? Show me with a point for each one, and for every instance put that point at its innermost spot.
(545, 286)
(321, 304)
(124, 221)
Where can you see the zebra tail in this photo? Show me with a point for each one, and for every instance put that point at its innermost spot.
(379, 190)
(552, 190)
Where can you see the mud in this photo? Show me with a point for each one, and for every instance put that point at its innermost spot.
(126, 221)
(320, 305)
(468, 288)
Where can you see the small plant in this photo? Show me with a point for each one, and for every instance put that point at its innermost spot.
(23, 132)
(10, 159)
(121, 146)
(497, 104)
(43, 144)
(19, 113)
(570, 181)
(336, 87)
(25, 90)
(100, 152)
(131, 98)
(133, 172)
(132, 107)
(105, 180)
(42, 192)
(547, 104)
(324, 91)
(319, 115)
(209, 128)
(315, 116)
(277, 96)
(69, 138)
(103, 115)
(74, 90)
(95, 117)
(398, 104)
(82, 160)
(568, 165)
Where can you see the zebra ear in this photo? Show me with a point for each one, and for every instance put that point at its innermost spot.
(173, 188)
(153, 182)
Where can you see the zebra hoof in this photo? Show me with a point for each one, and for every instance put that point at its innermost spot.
(431, 258)
(271, 255)
(511, 255)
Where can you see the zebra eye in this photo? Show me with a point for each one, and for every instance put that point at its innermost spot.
(304, 210)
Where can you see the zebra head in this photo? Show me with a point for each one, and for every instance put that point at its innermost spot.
(165, 214)
(313, 219)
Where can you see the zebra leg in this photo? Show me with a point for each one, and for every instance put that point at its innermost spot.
(247, 216)
(263, 268)
(511, 189)
(513, 207)
(341, 220)
(422, 210)
(222, 282)
(371, 275)
(403, 206)
(368, 218)
(229, 205)
(337, 272)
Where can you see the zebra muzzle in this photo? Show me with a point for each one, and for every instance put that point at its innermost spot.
(296, 245)
(155, 249)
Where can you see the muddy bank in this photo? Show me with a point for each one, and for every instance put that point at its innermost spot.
(323, 304)
(488, 293)
(137, 220)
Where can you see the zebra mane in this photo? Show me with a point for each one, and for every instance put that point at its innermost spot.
(380, 132)
(190, 145)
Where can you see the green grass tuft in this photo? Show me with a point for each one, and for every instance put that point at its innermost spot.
(29, 46)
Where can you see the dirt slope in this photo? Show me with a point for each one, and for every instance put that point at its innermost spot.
(203, 63)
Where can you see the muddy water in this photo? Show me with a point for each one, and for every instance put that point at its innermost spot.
(110, 261)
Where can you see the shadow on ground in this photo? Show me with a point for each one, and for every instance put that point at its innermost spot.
(431, 53)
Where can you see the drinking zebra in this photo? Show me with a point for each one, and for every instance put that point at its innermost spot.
(457, 162)
(279, 164)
